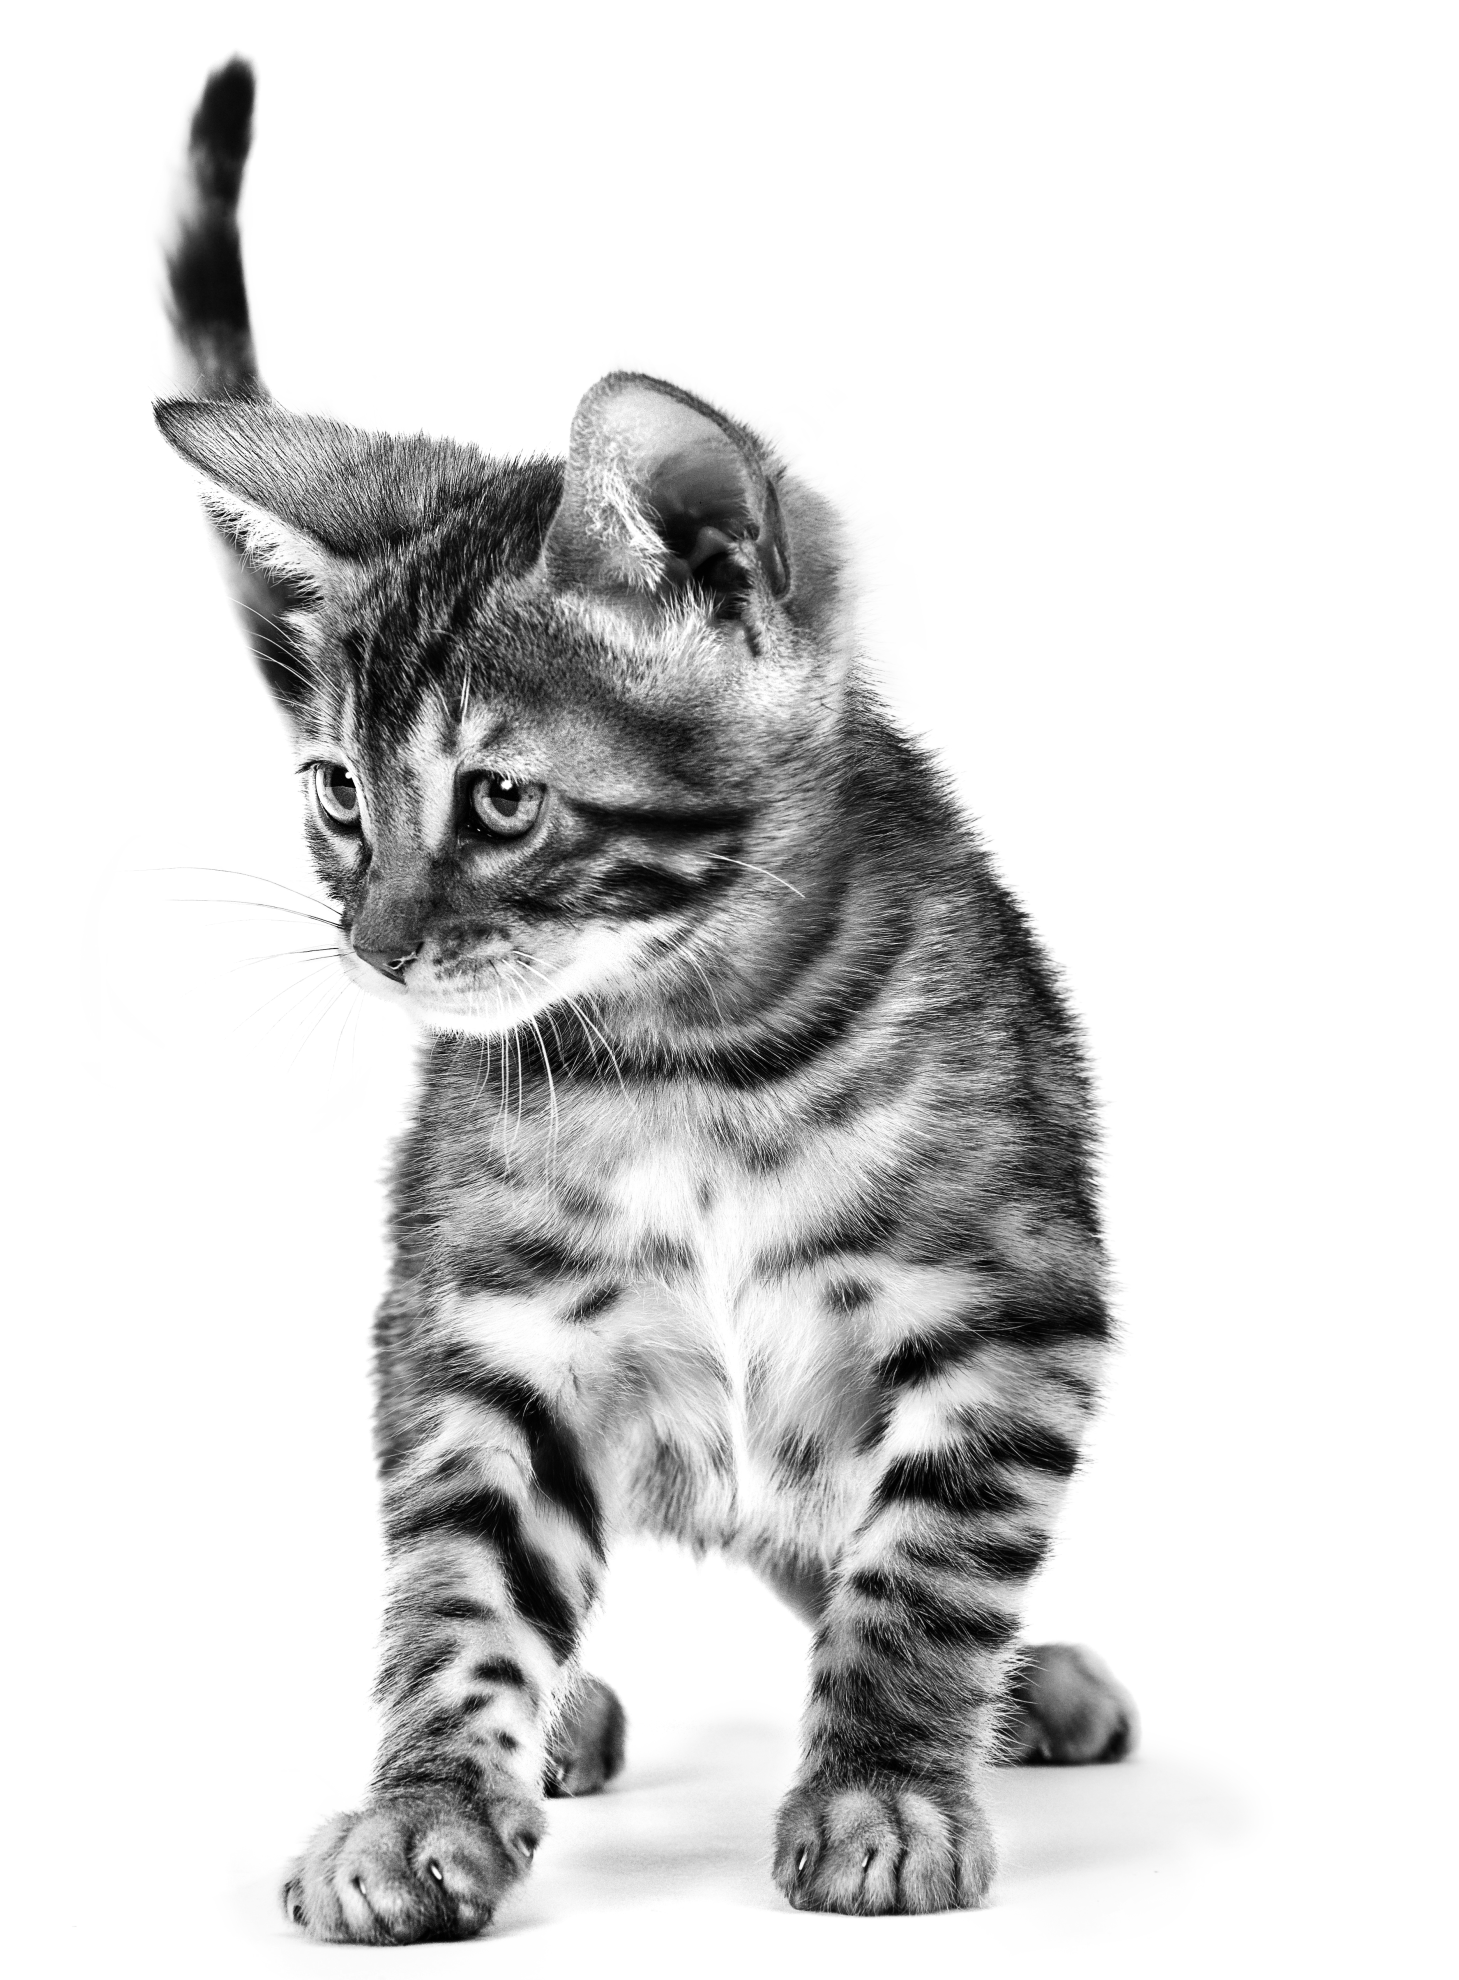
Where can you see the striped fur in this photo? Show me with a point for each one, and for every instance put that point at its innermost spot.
(748, 1196)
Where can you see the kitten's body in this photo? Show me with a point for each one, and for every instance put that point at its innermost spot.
(747, 1198)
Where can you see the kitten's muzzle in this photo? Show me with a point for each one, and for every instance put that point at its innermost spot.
(390, 927)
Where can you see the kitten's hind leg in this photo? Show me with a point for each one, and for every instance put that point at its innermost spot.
(803, 1586)
(586, 1747)
(1064, 1707)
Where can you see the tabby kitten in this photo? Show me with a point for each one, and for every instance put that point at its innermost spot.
(758, 1210)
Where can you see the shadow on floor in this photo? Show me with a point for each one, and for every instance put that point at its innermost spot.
(698, 1822)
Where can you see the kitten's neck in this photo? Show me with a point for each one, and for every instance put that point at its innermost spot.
(832, 910)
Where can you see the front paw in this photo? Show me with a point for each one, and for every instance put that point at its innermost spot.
(887, 1845)
(412, 1866)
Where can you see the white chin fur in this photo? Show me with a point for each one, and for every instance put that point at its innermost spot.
(490, 1010)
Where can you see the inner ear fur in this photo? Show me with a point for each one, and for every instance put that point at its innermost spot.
(662, 493)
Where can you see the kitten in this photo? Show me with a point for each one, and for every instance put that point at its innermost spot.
(758, 1207)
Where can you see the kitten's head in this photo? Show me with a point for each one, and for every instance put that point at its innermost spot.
(560, 728)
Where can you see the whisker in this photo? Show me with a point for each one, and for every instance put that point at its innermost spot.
(354, 1030)
(516, 1038)
(304, 991)
(547, 1017)
(328, 1005)
(239, 873)
(551, 1083)
(483, 1072)
(681, 951)
(580, 1008)
(506, 1077)
(552, 1114)
(292, 656)
(750, 867)
(595, 1035)
(583, 1019)
(276, 909)
(344, 1027)
(284, 955)
(271, 628)
(286, 659)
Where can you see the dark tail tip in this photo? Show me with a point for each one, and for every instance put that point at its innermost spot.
(222, 130)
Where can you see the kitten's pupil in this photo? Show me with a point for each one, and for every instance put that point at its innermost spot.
(505, 794)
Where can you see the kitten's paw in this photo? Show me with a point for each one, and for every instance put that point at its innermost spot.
(587, 1747)
(410, 1867)
(1065, 1708)
(892, 1845)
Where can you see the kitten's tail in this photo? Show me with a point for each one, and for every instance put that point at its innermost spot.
(209, 311)
(205, 265)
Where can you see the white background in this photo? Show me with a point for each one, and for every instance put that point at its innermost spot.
(1125, 338)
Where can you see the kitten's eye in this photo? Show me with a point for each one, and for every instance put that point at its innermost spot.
(504, 806)
(335, 789)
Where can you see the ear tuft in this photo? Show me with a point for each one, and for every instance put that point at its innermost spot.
(663, 493)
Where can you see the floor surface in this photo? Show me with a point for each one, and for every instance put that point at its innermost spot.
(670, 1870)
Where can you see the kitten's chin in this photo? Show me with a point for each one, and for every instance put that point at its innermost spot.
(443, 1011)
(469, 1016)
(497, 998)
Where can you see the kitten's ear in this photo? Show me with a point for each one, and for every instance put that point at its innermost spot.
(262, 474)
(663, 492)
(300, 496)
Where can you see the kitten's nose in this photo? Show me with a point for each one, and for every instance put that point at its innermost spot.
(389, 962)
(391, 922)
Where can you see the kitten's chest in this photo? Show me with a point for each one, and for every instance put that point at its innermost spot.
(737, 1385)
(756, 1388)
(701, 1241)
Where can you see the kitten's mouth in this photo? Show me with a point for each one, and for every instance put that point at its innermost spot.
(489, 990)
(484, 994)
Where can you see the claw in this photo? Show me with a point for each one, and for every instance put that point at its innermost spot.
(433, 1869)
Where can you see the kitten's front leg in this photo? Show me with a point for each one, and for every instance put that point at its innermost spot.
(492, 1526)
(911, 1657)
